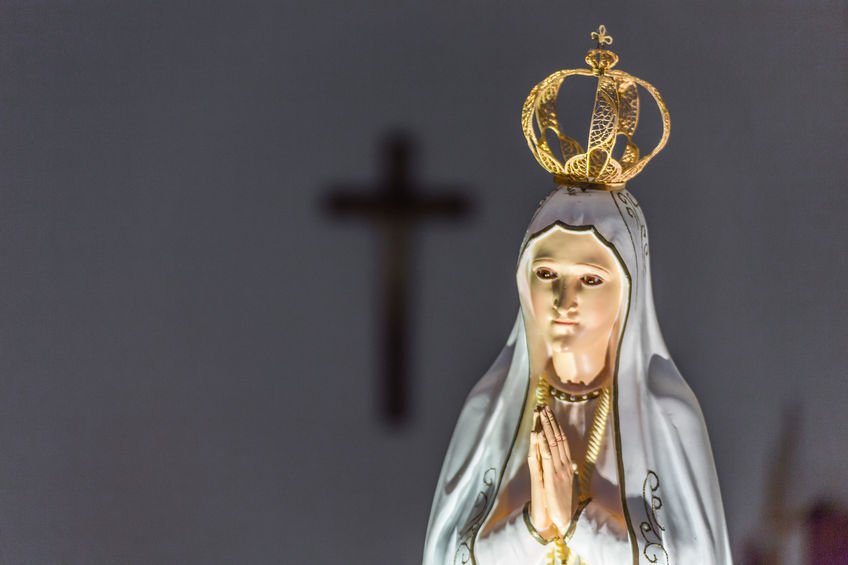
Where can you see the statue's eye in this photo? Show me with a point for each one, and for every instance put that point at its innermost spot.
(546, 274)
(591, 280)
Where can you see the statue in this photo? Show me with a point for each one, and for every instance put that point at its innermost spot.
(582, 444)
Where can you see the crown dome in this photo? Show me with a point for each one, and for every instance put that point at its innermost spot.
(615, 113)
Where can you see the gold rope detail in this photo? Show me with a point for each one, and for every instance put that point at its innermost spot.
(543, 392)
(596, 439)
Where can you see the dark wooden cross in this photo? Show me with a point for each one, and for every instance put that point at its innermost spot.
(395, 207)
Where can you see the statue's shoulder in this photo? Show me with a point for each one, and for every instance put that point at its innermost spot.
(673, 396)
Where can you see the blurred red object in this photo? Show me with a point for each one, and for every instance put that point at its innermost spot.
(827, 535)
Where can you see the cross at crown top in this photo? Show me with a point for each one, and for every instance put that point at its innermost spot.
(601, 36)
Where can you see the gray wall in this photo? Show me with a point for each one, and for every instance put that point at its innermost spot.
(187, 349)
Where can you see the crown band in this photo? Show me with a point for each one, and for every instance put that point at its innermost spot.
(566, 182)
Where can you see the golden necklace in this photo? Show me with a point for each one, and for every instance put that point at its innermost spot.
(559, 553)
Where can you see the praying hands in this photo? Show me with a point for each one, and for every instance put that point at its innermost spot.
(551, 476)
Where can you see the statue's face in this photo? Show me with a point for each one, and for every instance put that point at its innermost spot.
(575, 289)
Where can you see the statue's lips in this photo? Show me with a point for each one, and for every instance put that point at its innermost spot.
(565, 322)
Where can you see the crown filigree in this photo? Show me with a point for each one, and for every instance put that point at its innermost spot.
(615, 113)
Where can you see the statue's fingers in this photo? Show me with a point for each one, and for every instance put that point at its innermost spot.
(550, 435)
(537, 419)
(562, 449)
(544, 448)
(551, 495)
(533, 457)
(536, 429)
(547, 425)
(534, 463)
(538, 457)
(547, 460)
(562, 441)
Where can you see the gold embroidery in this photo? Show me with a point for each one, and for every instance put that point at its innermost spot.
(651, 528)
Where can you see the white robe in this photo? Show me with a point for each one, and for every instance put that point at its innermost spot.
(665, 476)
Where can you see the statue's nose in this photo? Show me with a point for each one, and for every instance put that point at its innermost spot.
(565, 297)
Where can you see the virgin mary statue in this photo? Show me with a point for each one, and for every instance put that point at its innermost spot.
(582, 444)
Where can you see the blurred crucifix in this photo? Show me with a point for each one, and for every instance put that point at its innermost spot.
(394, 207)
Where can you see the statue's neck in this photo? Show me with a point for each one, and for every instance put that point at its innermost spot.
(576, 371)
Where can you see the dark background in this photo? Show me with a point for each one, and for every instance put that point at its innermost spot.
(188, 356)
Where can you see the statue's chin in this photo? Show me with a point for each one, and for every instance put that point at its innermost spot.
(561, 345)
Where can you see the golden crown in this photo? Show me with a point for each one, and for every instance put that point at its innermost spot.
(616, 112)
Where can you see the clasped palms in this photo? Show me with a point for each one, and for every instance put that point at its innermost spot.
(551, 476)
